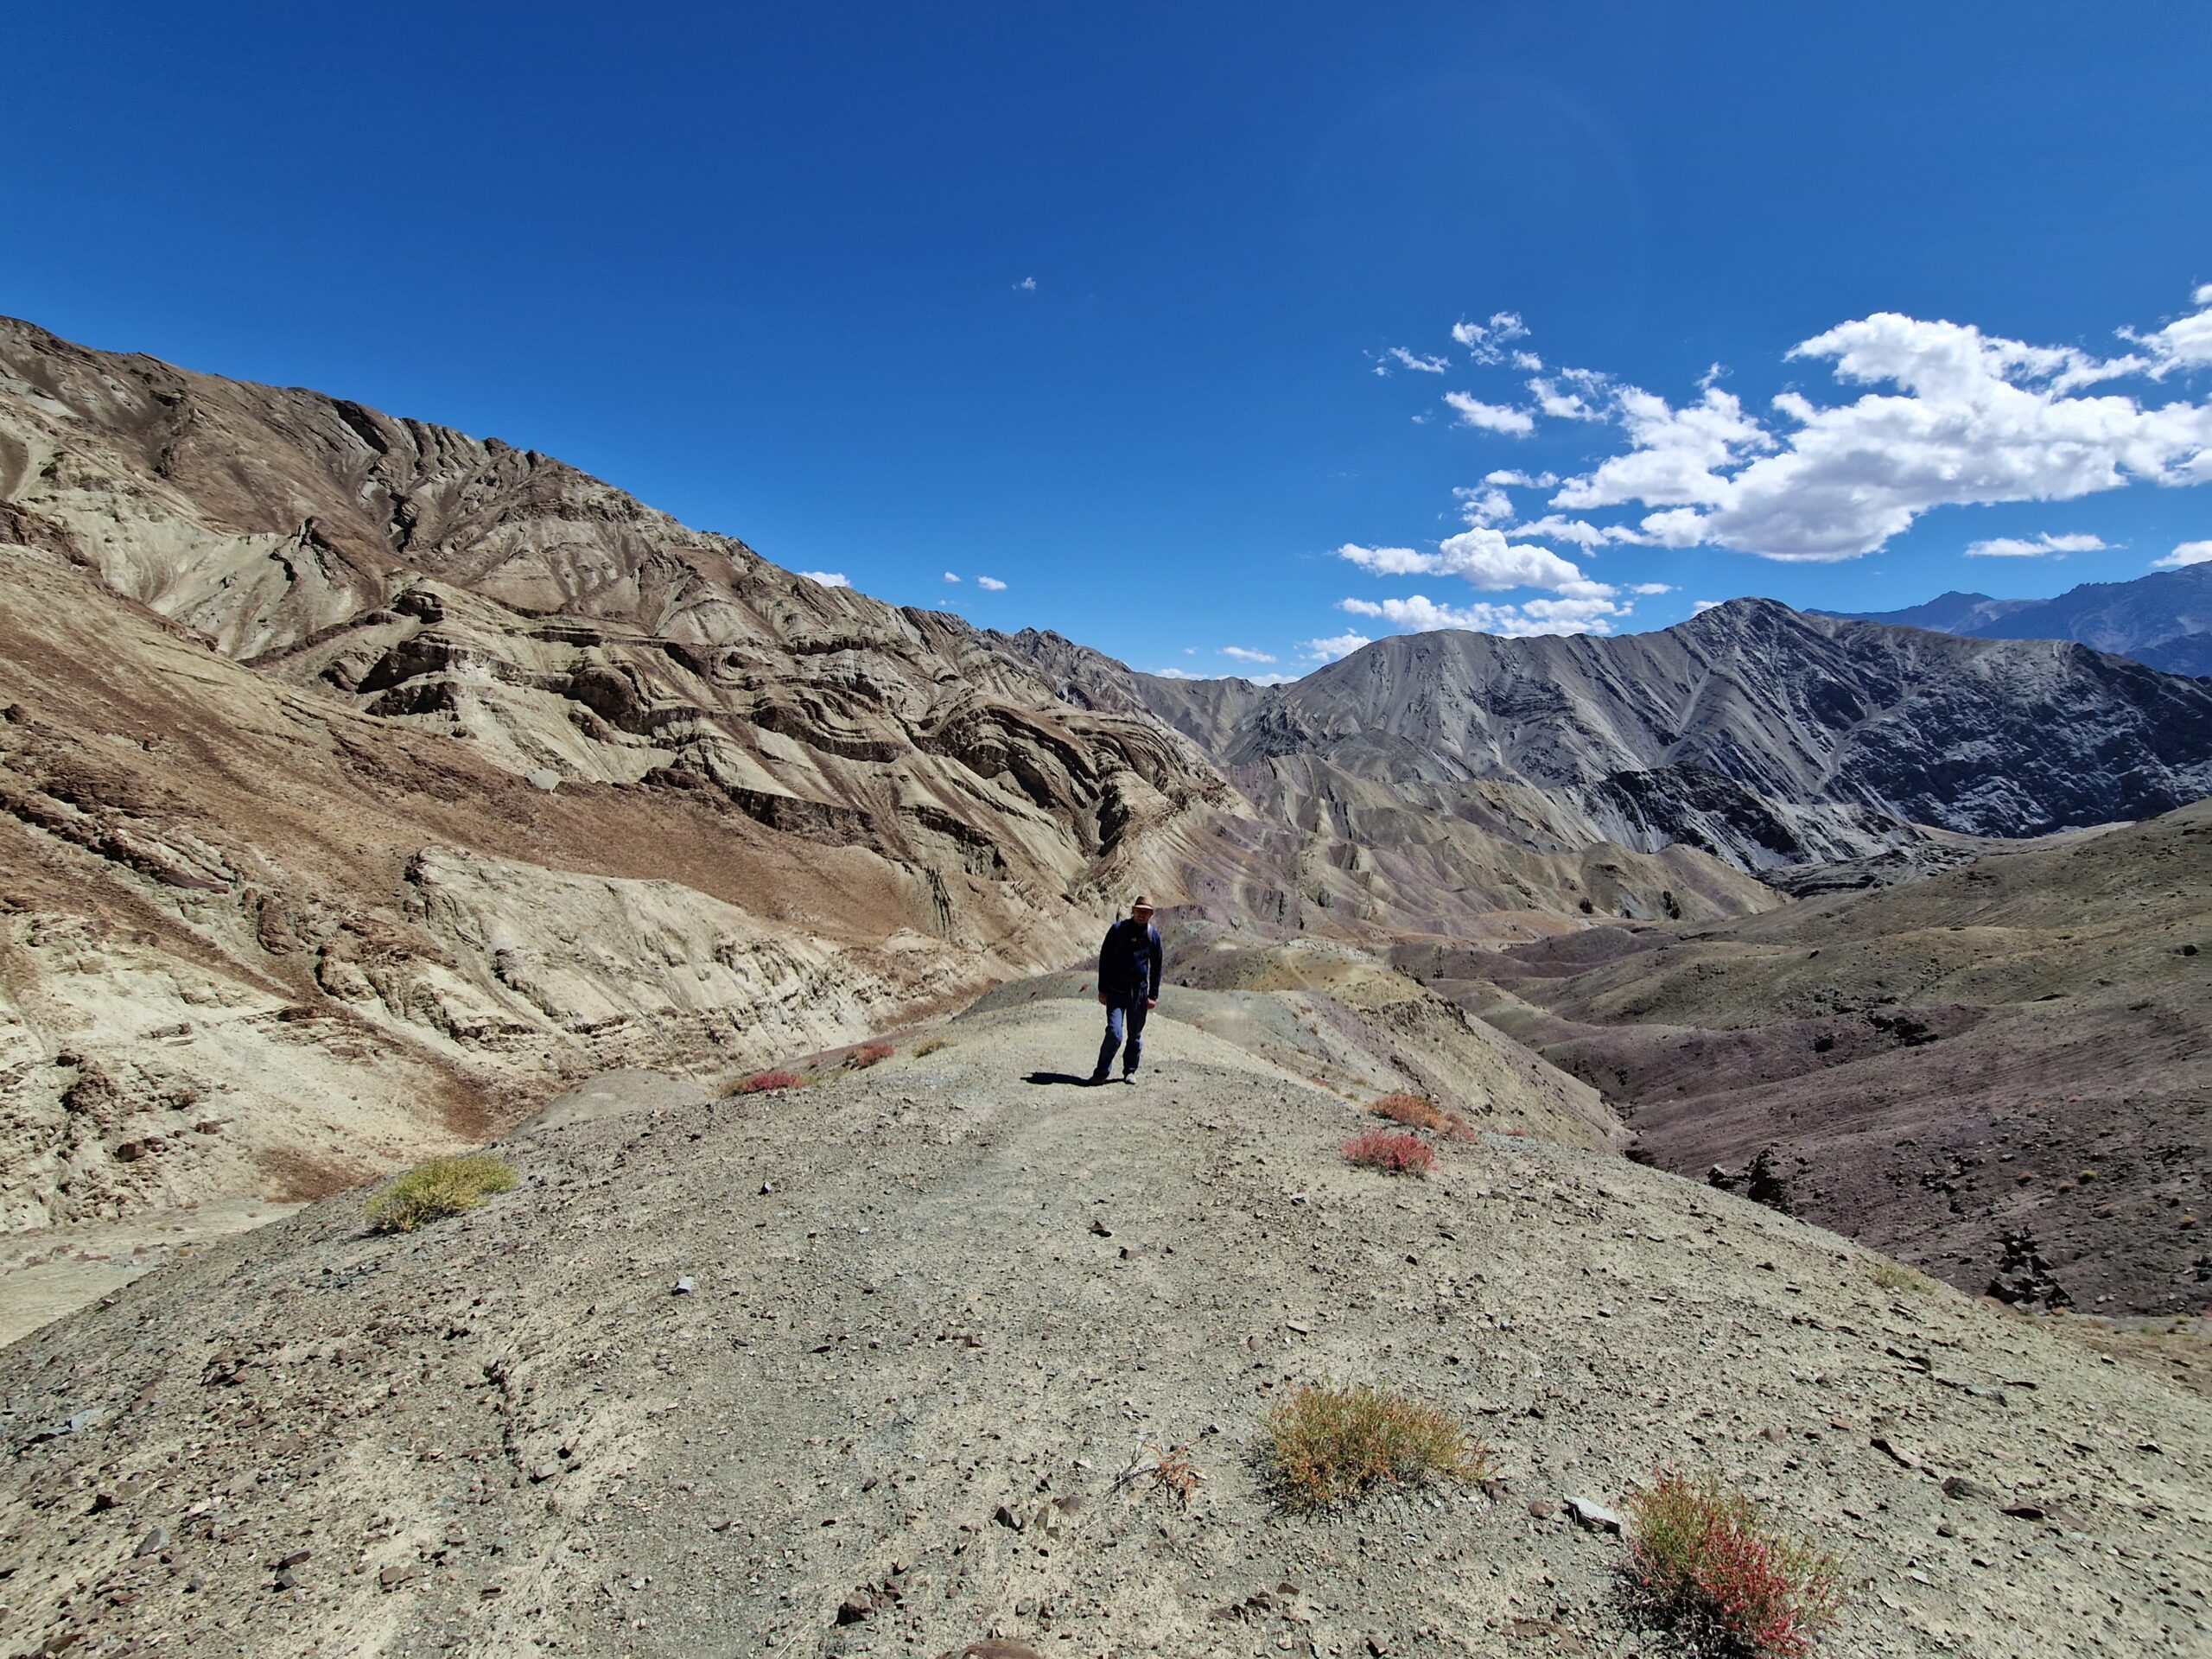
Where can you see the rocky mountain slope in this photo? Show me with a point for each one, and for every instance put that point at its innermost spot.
(2163, 619)
(1999, 1073)
(366, 782)
(879, 1367)
(363, 782)
(1753, 732)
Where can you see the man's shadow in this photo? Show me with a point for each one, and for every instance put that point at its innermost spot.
(1062, 1077)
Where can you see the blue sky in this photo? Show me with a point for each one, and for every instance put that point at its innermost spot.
(1091, 301)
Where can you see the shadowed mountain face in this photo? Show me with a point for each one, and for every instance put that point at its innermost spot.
(1765, 736)
(2164, 619)
(1999, 1071)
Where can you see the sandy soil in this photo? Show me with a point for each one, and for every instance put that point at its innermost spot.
(717, 1371)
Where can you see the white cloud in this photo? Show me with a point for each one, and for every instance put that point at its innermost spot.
(1483, 557)
(1419, 614)
(1244, 656)
(1342, 645)
(2184, 344)
(2187, 553)
(1651, 589)
(1027, 285)
(1557, 527)
(948, 577)
(990, 584)
(1175, 674)
(2011, 547)
(1416, 361)
(1563, 405)
(1528, 363)
(1491, 417)
(1520, 481)
(1484, 506)
(1704, 605)
(1485, 340)
(1975, 419)
(827, 578)
(1269, 679)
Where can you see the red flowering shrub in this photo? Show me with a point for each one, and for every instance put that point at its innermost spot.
(1705, 1560)
(870, 1054)
(1418, 1112)
(761, 1082)
(1393, 1153)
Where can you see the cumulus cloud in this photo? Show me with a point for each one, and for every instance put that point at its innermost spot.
(1483, 557)
(1484, 506)
(2186, 553)
(2013, 547)
(1704, 605)
(1959, 418)
(1175, 674)
(1341, 644)
(827, 578)
(1563, 403)
(1651, 589)
(1027, 285)
(1528, 362)
(1419, 614)
(1508, 478)
(1417, 362)
(1243, 656)
(948, 577)
(1486, 342)
(1491, 417)
(1270, 679)
(990, 584)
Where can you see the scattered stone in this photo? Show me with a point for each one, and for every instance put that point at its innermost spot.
(682, 1287)
(855, 1608)
(1958, 1486)
(1007, 1517)
(1883, 1444)
(153, 1543)
(542, 778)
(1542, 1509)
(995, 1648)
(1101, 1228)
(1593, 1517)
(2026, 1511)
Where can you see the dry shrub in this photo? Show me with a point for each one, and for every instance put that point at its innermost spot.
(1393, 1153)
(1418, 1112)
(1173, 1470)
(1704, 1560)
(1326, 1444)
(761, 1082)
(444, 1187)
(932, 1046)
(1895, 1276)
(870, 1054)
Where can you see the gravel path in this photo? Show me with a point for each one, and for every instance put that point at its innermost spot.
(935, 1310)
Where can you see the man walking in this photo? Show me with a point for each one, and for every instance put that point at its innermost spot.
(1128, 987)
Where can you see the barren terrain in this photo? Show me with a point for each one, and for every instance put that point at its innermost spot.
(895, 1345)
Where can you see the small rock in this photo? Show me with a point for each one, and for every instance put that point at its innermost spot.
(1593, 1517)
(1542, 1509)
(392, 1577)
(855, 1608)
(292, 1560)
(682, 1287)
(1101, 1228)
(152, 1544)
(2026, 1511)
(1006, 1517)
(288, 1579)
(542, 778)
(1882, 1443)
(995, 1648)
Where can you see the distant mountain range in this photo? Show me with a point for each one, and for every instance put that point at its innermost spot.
(2164, 620)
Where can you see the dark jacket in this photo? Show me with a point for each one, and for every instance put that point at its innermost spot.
(1129, 962)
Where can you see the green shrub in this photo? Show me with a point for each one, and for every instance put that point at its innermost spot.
(932, 1046)
(444, 1187)
(1895, 1276)
(1705, 1562)
(1326, 1444)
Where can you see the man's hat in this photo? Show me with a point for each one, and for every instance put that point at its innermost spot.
(1139, 903)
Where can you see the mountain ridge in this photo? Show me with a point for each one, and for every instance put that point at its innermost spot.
(2163, 620)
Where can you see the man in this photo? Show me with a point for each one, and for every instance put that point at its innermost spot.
(1128, 987)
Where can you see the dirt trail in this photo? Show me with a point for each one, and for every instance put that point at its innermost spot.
(935, 1310)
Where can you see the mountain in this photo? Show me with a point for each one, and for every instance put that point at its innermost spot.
(2164, 619)
(1997, 1072)
(885, 1366)
(1766, 737)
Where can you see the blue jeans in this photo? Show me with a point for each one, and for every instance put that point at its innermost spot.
(1121, 1015)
